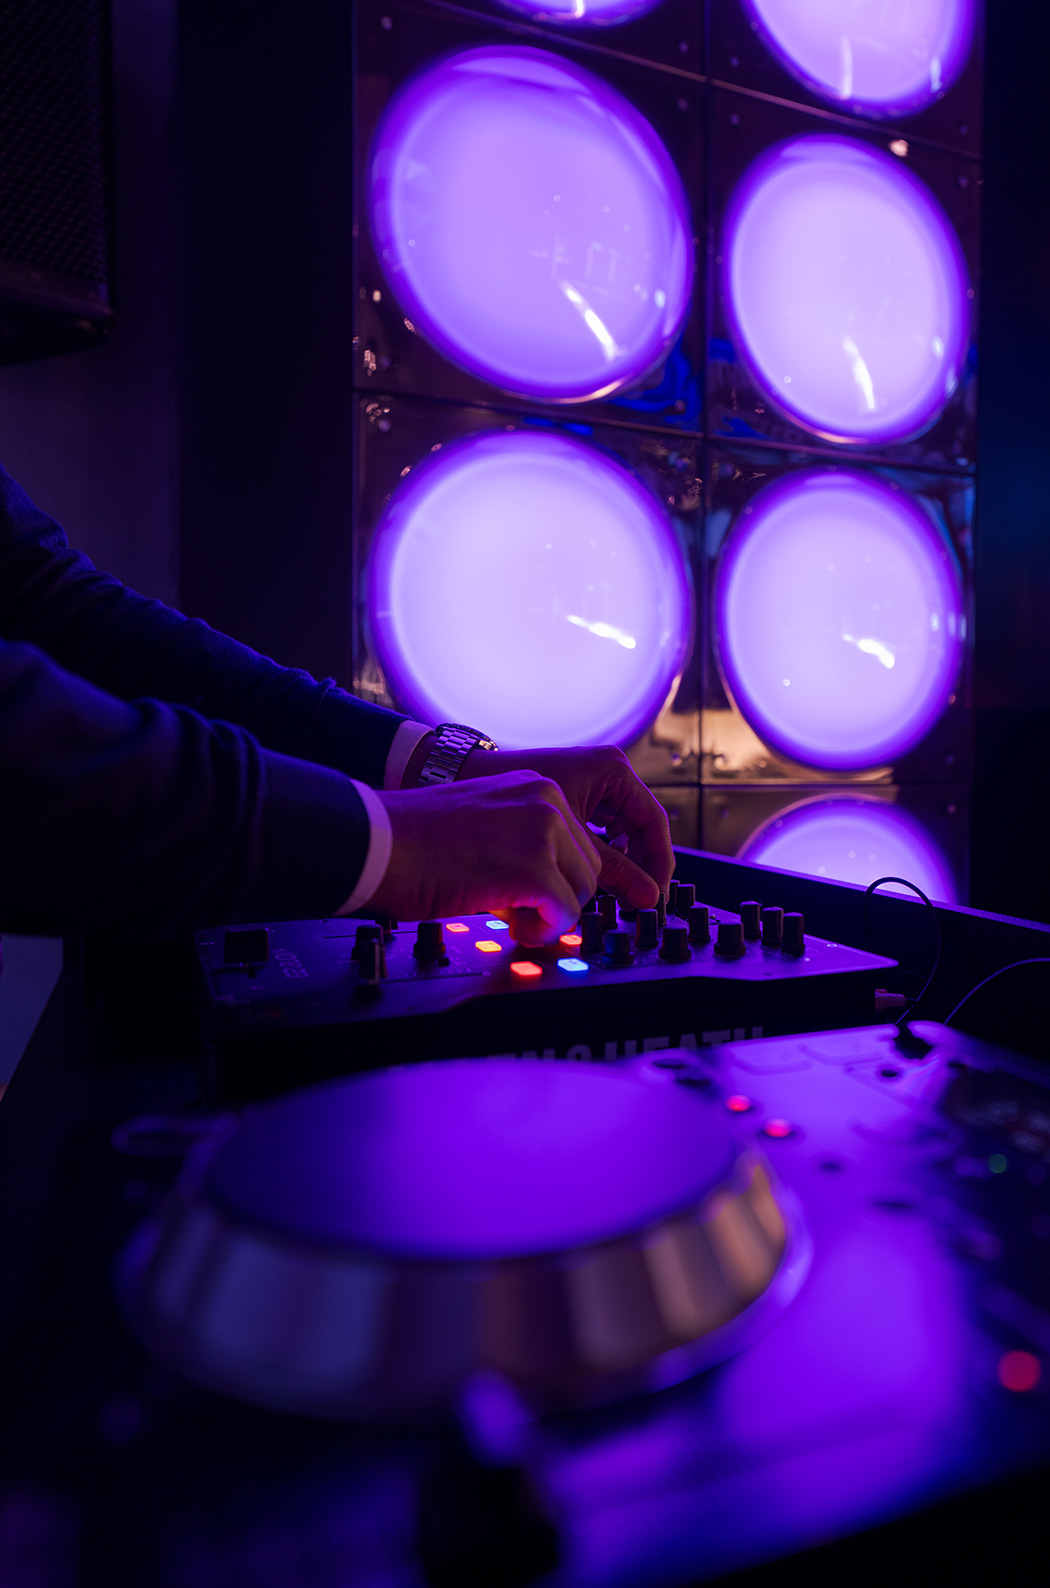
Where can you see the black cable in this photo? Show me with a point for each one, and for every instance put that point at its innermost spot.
(869, 890)
(1040, 960)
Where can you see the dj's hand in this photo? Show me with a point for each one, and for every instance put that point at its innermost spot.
(508, 843)
(600, 787)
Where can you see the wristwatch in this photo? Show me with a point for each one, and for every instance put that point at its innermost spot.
(449, 750)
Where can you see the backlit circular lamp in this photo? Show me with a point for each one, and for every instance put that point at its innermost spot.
(582, 13)
(528, 583)
(531, 224)
(867, 54)
(853, 838)
(846, 289)
(839, 619)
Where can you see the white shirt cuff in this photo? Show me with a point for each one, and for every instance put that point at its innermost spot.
(401, 751)
(380, 843)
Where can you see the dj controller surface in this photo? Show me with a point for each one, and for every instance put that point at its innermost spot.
(291, 1002)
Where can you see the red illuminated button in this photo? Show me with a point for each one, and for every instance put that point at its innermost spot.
(1019, 1371)
(457, 926)
(525, 967)
(487, 945)
(777, 1128)
(571, 939)
(739, 1104)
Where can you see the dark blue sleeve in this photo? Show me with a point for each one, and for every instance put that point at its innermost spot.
(54, 597)
(148, 815)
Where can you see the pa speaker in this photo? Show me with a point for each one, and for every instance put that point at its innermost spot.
(55, 177)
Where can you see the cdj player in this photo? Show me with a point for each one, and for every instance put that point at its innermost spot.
(291, 1002)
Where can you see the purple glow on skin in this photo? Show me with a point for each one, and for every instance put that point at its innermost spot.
(846, 288)
(867, 54)
(839, 618)
(531, 224)
(593, 13)
(571, 599)
(850, 838)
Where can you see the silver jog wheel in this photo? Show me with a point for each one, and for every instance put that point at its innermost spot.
(360, 1248)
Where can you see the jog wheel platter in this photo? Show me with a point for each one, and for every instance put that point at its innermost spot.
(360, 1248)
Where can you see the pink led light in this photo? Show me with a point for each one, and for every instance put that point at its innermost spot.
(526, 968)
(846, 288)
(840, 618)
(531, 223)
(571, 597)
(868, 54)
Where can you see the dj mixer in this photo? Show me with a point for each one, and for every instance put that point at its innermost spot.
(290, 1002)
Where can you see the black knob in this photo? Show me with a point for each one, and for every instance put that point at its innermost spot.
(607, 911)
(675, 945)
(772, 926)
(699, 924)
(672, 897)
(592, 930)
(686, 900)
(372, 960)
(646, 933)
(730, 943)
(661, 909)
(430, 940)
(618, 948)
(365, 934)
(794, 933)
(750, 914)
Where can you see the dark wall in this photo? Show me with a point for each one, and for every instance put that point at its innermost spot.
(264, 314)
(1010, 870)
(93, 435)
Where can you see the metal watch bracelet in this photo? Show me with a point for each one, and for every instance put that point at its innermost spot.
(450, 749)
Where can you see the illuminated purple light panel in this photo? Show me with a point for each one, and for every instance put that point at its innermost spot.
(867, 54)
(531, 224)
(582, 13)
(853, 839)
(532, 585)
(839, 619)
(846, 289)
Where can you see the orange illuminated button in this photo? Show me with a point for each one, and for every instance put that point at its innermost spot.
(457, 926)
(488, 946)
(571, 939)
(526, 967)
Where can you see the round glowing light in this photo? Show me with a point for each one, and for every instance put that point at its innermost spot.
(582, 13)
(1019, 1371)
(739, 1104)
(840, 622)
(867, 54)
(530, 583)
(846, 288)
(531, 223)
(778, 1129)
(853, 838)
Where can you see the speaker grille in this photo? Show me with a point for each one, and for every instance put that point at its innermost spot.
(54, 138)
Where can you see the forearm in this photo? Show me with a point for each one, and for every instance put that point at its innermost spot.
(146, 816)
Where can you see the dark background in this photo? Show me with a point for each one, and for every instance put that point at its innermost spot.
(204, 455)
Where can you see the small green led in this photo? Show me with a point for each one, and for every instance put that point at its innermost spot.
(997, 1163)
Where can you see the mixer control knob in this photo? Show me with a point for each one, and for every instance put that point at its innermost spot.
(618, 948)
(430, 941)
(794, 933)
(363, 935)
(672, 897)
(372, 960)
(675, 946)
(607, 911)
(685, 900)
(772, 926)
(699, 919)
(592, 931)
(646, 932)
(750, 914)
(730, 943)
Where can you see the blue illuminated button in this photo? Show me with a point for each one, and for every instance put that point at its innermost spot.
(497, 926)
(575, 967)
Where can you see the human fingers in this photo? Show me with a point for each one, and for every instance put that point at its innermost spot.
(636, 811)
(622, 877)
